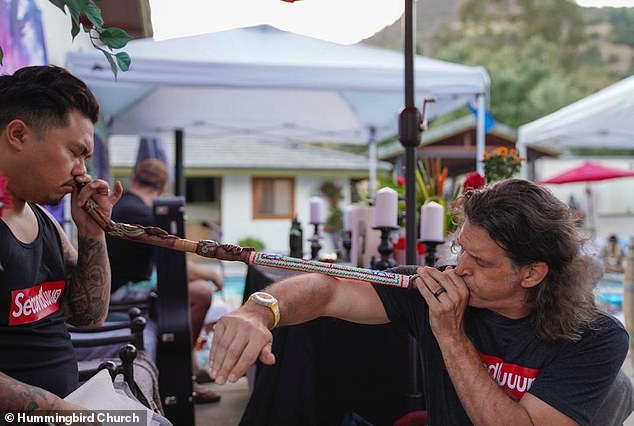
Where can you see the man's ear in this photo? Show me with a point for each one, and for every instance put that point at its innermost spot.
(16, 132)
(533, 274)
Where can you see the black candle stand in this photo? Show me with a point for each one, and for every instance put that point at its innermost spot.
(430, 252)
(347, 245)
(315, 246)
(385, 248)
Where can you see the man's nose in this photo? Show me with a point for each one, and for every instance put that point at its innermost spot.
(80, 168)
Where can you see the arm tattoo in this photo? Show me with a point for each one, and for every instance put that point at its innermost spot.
(89, 284)
(18, 396)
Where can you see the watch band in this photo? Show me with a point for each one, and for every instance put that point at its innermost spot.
(268, 301)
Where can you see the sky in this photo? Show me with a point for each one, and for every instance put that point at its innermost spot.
(341, 21)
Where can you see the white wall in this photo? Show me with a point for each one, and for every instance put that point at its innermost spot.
(612, 200)
(237, 208)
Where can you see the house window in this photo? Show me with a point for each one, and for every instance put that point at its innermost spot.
(201, 189)
(273, 198)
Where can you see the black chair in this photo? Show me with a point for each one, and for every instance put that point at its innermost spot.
(146, 306)
(136, 324)
(142, 380)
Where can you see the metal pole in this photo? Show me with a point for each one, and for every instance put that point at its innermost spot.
(179, 163)
(409, 136)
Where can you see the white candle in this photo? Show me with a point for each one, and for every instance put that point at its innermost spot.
(432, 216)
(317, 210)
(347, 218)
(386, 207)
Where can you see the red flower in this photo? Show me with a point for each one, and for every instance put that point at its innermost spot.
(5, 198)
(473, 181)
(85, 22)
(400, 180)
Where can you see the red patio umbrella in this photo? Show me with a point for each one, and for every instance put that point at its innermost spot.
(588, 172)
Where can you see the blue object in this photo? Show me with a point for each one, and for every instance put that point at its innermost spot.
(489, 122)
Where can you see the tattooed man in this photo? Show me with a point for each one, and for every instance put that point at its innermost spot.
(47, 121)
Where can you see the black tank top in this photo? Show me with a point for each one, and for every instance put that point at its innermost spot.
(35, 346)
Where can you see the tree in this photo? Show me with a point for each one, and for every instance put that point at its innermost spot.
(86, 15)
(534, 50)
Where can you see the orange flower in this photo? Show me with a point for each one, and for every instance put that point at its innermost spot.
(501, 163)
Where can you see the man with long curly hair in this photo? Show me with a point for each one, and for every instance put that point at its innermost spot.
(510, 335)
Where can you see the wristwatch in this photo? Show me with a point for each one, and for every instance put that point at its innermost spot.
(267, 300)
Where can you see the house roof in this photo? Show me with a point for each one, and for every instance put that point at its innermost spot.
(446, 131)
(249, 155)
(455, 144)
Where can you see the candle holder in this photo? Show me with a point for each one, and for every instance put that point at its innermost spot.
(314, 242)
(385, 249)
(430, 252)
(347, 245)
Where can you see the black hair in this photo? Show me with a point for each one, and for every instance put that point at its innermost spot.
(43, 96)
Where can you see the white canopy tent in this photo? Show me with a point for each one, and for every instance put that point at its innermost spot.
(603, 120)
(261, 82)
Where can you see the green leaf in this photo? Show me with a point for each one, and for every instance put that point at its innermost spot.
(74, 30)
(113, 64)
(123, 60)
(114, 38)
(60, 4)
(93, 13)
(76, 8)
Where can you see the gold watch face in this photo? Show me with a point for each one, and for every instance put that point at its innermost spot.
(263, 298)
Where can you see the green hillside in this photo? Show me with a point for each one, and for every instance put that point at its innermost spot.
(540, 54)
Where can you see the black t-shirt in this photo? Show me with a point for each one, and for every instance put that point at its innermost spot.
(130, 261)
(570, 376)
(35, 346)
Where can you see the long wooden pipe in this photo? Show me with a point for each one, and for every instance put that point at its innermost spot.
(212, 249)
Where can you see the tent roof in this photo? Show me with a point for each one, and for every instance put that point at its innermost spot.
(243, 80)
(601, 120)
(250, 155)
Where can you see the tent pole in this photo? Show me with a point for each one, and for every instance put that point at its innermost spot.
(373, 160)
(179, 163)
(409, 136)
(523, 152)
(480, 134)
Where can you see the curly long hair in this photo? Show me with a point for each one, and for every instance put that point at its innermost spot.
(531, 225)
(43, 96)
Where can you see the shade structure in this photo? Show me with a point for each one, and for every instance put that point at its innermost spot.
(601, 120)
(588, 172)
(261, 82)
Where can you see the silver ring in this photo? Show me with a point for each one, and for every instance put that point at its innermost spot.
(440, 291)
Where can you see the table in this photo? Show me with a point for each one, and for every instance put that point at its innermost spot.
(326, 368)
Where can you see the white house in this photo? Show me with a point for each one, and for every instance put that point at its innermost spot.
(253, 189)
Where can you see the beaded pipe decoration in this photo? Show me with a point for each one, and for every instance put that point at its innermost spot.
(212, 249)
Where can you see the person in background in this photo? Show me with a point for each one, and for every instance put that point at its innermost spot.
(613, 255)
(47, 119)
(510, 335)
(133, 263)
